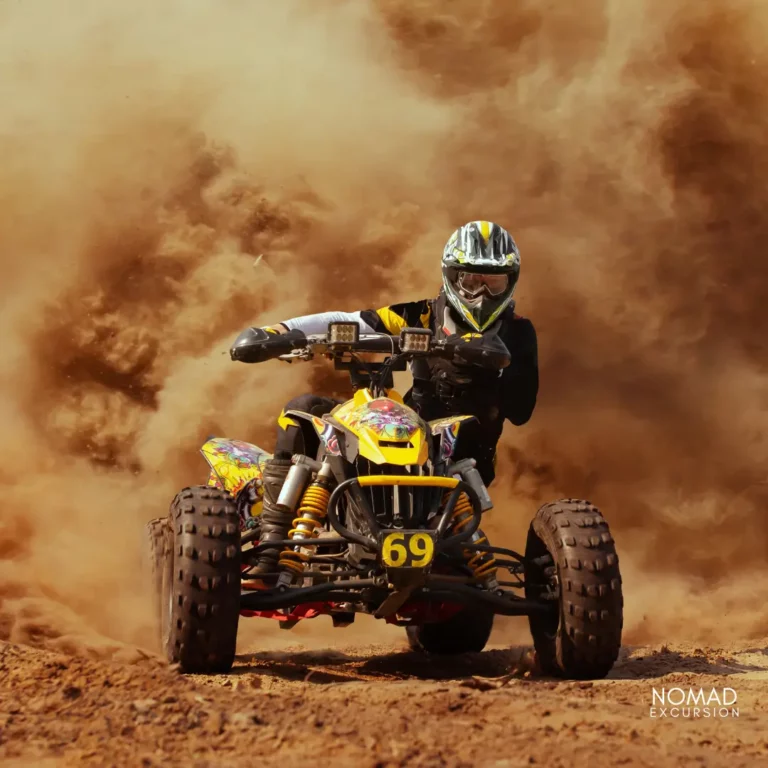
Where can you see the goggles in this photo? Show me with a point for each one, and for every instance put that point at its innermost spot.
(472, 284)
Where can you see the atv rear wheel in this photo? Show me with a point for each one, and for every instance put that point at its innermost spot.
(201, 581)
(157, 540)
(465, 632)
(581, 638)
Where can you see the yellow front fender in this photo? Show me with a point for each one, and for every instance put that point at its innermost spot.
(388, 431)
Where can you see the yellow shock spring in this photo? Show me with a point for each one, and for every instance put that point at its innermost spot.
(309, 519)
(482, 564)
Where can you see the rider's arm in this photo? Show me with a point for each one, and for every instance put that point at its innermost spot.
(318, 323)
(390, 319)
(520, 381)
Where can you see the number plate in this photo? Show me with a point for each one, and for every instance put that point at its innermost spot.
(407, 549)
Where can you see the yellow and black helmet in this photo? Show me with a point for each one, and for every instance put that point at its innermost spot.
(481, 265)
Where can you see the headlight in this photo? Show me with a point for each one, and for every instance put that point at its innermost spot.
(415, 339)
(343, 333)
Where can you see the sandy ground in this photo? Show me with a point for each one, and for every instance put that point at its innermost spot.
(377, 706)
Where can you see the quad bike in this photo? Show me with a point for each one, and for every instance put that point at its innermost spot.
(384, 523)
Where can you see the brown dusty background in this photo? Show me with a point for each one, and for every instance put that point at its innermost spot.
(173, 172)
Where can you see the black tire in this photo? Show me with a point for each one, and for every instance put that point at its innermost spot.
(201, 581)
(465, 632)
(581, 639)
(157, 533)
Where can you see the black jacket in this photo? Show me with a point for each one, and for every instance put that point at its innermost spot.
(442, 388)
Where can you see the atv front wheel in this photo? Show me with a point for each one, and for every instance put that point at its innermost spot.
(201, 581)
(465, 632)
(581, 638)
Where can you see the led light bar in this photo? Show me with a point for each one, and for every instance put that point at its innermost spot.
(343, 333)
(415, 339)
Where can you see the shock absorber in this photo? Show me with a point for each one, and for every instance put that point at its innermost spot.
(283, 484)
(482, 564)
(309, 520)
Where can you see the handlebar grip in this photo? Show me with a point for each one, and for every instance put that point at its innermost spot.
(255, 345)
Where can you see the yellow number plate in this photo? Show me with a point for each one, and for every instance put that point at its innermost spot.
(407, 549)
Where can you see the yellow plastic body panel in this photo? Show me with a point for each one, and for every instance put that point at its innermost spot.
(285, 421)
(451, 422)
(388, 431)
(234, 463)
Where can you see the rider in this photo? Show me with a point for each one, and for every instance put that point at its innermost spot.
(481, 265)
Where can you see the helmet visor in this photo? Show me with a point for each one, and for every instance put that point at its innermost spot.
(473, 284)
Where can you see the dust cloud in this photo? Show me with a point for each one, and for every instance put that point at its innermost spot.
(172, 174)
(625, 147)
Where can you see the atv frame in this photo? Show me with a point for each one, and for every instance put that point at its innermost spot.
(373, 589)
(415, 571)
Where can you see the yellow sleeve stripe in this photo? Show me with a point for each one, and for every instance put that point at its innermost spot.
(392, 321)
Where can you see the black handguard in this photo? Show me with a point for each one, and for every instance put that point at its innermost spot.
(487, 351)
(255, 345)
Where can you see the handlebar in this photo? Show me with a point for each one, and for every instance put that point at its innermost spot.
(255, 345)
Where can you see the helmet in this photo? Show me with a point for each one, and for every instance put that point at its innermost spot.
(481, 265)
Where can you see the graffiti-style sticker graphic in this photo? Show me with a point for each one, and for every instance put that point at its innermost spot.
(213, 480)
(448, 431)
(448, 438)
(330, 440)
(320, 425)
(332, 444)
(234, 463)
(327, 435)
(387, 419)
(438, 425)
(249, 503)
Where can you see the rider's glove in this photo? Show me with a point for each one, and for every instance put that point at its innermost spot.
(255, 345)
(476, 350)
(462, 385)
